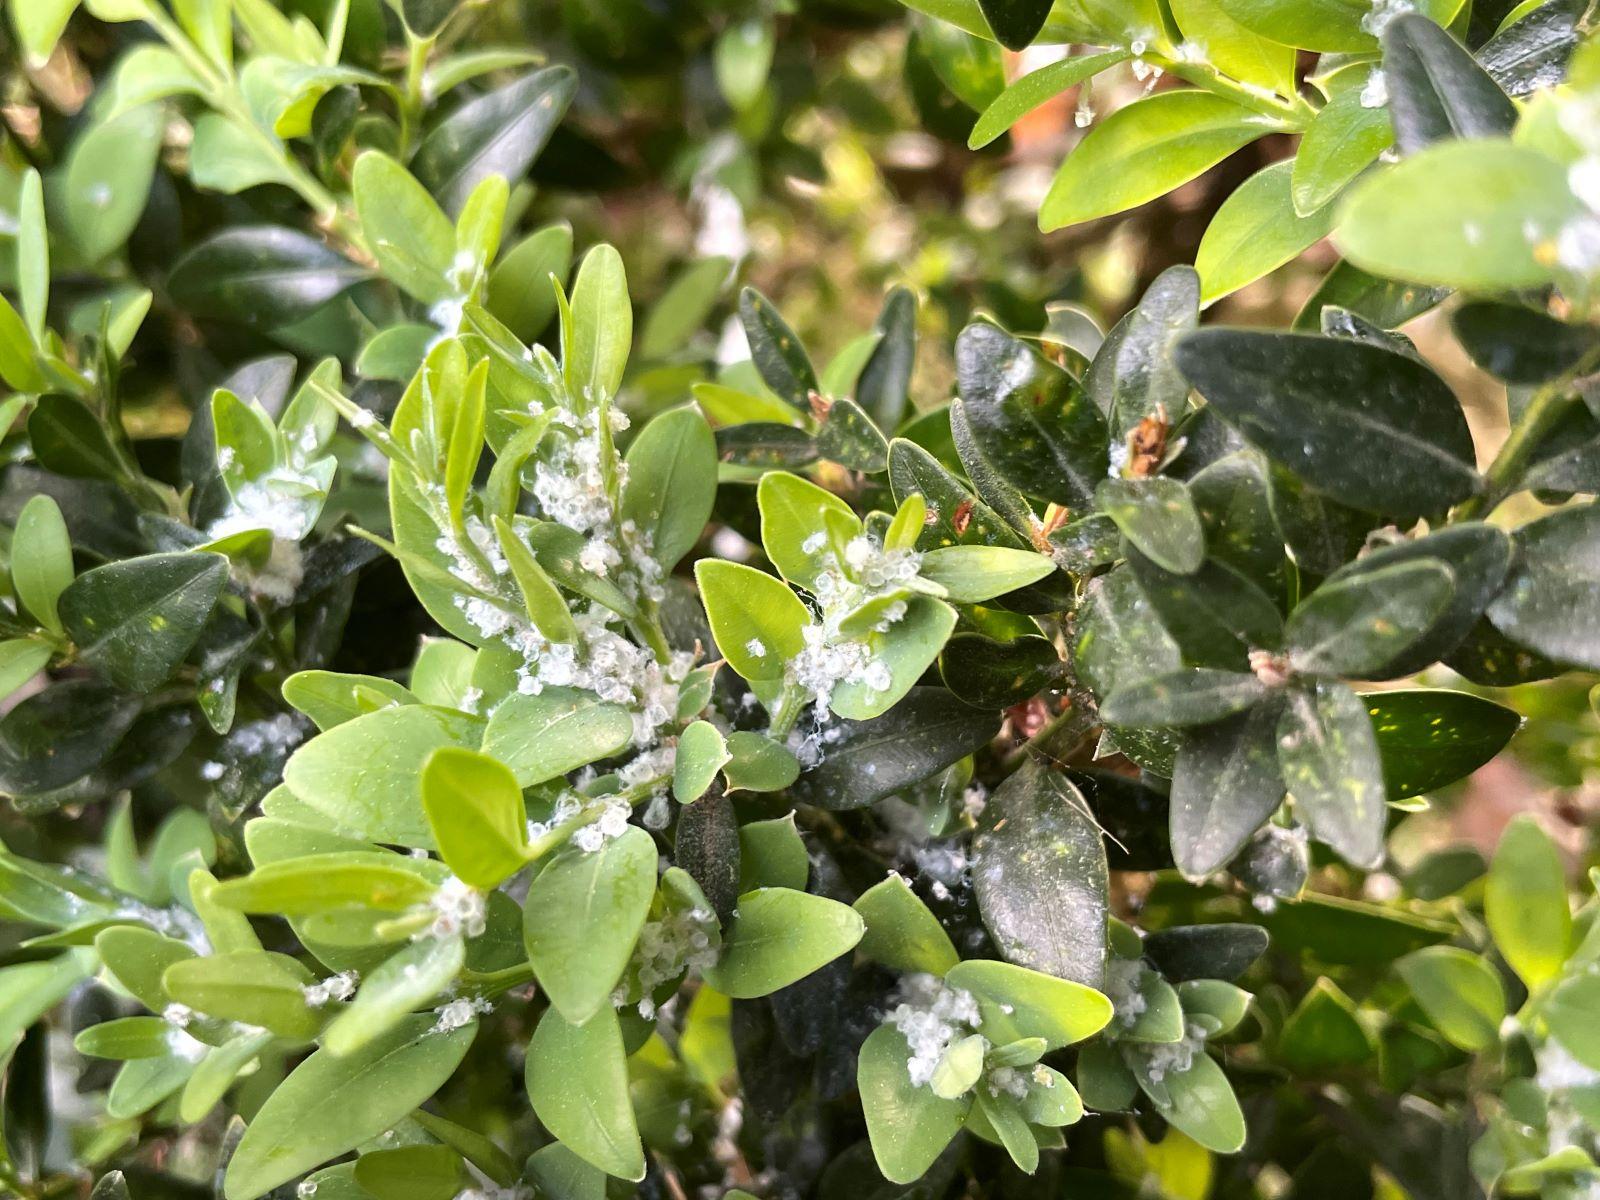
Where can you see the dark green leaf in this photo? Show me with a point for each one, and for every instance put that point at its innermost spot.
(1032, 420)
(1205, 951)
(776, 351)
(136, 620)
(1159, 518)
(994, 674)
(499, 133)
(1436, 90)
(1329, 759)
(1015, 23)
(1039, 875)
(1371, 427)
(1195, 697)
(68, 439)
(1546, 604)
(1225, 784)
(1216, 615)
(1532, 52)
(1354, 625)
(849, 437)
(262, 276)
(883, 388)
(1519, 344)
(1432, 737)
(917, 738)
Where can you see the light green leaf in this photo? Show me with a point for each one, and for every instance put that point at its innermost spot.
(672, 484)
(971, 574)
(1144, 150)
(582, 916)
(578, 1084)
(701, 754)
(253, 987)
(909, 1126)
(41, 560)
(1525, 903)
(408, 979)
(756, 620)
(1036, 87)
(405, 229)
(1346, 137)
(107, 181)
(1460, 992)
(901, 932)
(559, 730)
(595, 346)
(365, 773)
(475, 809)
(1481, 215)
(329, 1106)
(1256, 231)
(1019, 1003)
(779, 936)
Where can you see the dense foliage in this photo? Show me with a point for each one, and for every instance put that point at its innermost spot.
(461, 742)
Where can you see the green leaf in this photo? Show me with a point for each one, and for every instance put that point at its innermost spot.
(41, 560)
(329, 1106)
(1233, 48)
(1039, 875)
(776, 351)
(1460, 993)
(1216, 615)
(1479, 215)
(1329, 758)
(261, 276)
(559, 730)
(595, 347)
(125, 1038)
(1326, 25)
(883, 388)
(1430, 737)
(1225, 784)
(756, 763)
(33, 255)
(901, 932)
(772, 855)
(1200, 1102)
(1034, 89)
(1345, 138)
(578, 1085)
(39, 26)
(60, 734)
(423, 1172)
(1354, 625)
(135, 620)
(848, 436)
(756, 620)
(1324, 1032)
(1525, 903)
(1436, 90)
(1158, 516)
(1144, 150)
(971, 574)
(683, 309)
(909, 1126)
(1133, 376)
(1031, 419)
(672, 484)
(248, 986)
(20, 660)
(1369, 426)
(107, 180)
(520, 294)
(1199, 696)
(364, 774)
(583, 914)
(993, 674)
(779, 936)
(406, 980)
(475, 809)
(1258, 229)
(1570, 1013)
(413, 241)
(17, 365)
(67, 438)
(1121, 640)
(869, 760)
(545, 605)
(1544, 605)
(499, 133)
(331, 698)
(741, 59)
(1019, 1003)
(228, 156)
(701, 754)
